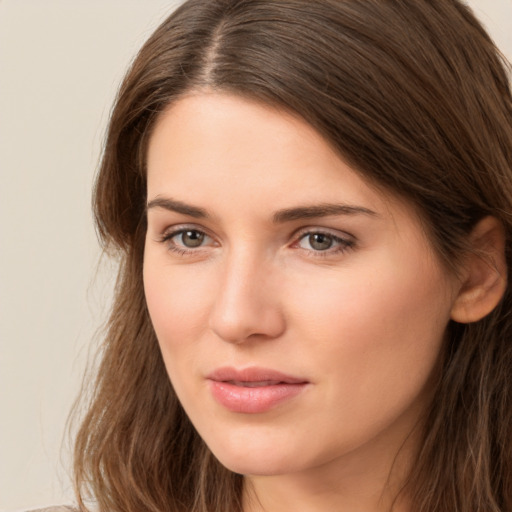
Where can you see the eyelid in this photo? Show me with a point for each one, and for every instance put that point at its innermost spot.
(344, 241)
(336, 233)
(171, 231)
(175, 229)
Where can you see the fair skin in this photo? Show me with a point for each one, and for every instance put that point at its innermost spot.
(246, 268)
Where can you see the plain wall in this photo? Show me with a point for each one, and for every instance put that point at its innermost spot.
(60, 64)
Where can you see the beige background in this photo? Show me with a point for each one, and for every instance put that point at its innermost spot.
(60, 64)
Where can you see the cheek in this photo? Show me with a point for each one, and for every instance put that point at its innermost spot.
(391, 301)
(363, 307)
(377, 333)
(178, 303)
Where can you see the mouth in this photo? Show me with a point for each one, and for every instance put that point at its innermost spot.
(253, 390)
(254, 384)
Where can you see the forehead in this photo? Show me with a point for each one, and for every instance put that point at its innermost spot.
(221, 152)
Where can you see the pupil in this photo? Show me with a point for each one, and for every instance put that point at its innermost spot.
(320, 242)
(192, 238)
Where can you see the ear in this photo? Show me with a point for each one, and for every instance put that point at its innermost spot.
(484, 273)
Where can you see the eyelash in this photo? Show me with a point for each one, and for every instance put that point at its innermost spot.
(342, 245)
(181, 250)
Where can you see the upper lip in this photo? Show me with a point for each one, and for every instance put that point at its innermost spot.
(253, 374)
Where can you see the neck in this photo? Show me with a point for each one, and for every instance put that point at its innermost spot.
(369, 479)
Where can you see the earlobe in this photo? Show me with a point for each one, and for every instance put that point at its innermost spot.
(484, 274)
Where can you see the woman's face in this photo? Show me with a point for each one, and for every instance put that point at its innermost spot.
(300, 312)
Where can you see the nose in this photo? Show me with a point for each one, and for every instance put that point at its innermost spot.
(247, 304)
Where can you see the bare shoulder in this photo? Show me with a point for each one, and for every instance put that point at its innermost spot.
(60, 508)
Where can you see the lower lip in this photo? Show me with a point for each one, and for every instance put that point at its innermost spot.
(256, 399)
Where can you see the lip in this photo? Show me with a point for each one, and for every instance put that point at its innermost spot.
(253, 390)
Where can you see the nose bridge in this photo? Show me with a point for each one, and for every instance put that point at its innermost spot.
(246, 303)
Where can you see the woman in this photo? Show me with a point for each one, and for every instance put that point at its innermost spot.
(311, 203)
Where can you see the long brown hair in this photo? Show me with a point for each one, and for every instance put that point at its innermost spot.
(415, 96)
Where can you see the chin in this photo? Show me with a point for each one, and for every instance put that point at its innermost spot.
(259, 459)
(256, 466)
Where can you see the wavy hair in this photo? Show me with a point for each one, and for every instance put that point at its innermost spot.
(415, 96)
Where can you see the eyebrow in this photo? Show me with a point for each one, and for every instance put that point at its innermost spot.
(178, 207)
(321, 210)
(279, 217)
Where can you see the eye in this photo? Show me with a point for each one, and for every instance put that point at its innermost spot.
(318, 242)
(191, 238)
(184, 240)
